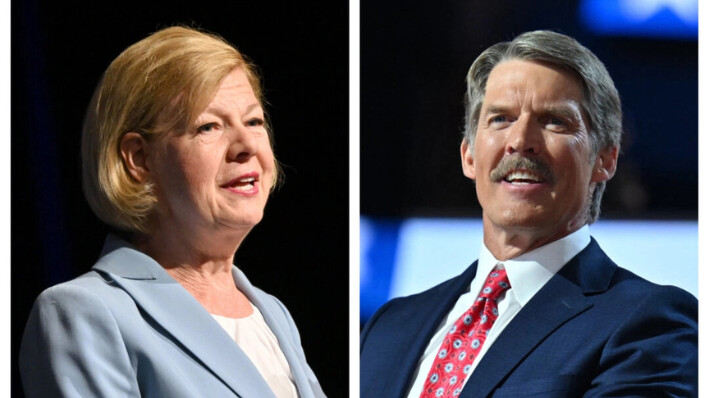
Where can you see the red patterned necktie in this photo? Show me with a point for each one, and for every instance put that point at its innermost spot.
(462, 343)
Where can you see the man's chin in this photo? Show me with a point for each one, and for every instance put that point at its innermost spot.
(516, 218)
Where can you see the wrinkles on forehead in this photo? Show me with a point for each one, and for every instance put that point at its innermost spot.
(521, 85)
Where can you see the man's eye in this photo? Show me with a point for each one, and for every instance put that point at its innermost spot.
(556, 124)
(498, 121)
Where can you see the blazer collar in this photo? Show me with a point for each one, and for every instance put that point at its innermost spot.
(182, 317)
(561, 299)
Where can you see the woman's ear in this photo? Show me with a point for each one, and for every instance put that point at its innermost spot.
(133, 148)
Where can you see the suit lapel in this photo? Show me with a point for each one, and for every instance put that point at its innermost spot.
(560, 300)
(555, 304)
(420, 314)
(181, 317)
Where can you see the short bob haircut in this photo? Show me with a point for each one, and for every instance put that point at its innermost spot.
(177, 69)
(601, 102)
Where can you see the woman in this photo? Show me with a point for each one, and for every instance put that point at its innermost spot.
(177, 157)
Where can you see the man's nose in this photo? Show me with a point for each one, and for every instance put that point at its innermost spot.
(525, 137)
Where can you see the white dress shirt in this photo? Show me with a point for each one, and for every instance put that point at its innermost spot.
(527, 273)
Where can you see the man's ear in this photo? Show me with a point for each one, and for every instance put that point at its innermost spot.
(605, 164)
(466, 159)
(134, 150)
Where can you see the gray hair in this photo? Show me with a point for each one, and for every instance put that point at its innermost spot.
(601, 102)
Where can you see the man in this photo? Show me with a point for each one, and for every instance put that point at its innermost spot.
(543, 312)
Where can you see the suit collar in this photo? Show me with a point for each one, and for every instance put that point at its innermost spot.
(529, 272)
(561, 299)
(180, 315)
(591, 270)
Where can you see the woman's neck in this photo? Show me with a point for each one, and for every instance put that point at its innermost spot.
(202, 265)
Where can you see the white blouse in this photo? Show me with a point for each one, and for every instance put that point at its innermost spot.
(259, 343)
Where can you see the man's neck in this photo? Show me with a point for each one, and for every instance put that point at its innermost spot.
(508, 243)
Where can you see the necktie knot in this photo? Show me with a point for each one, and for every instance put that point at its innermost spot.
(495, 284)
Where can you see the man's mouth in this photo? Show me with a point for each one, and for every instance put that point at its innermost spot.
(520, 170)
(520, 177)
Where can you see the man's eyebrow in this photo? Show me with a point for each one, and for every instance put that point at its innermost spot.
(561, 110)
(564, 111)
(496, 109)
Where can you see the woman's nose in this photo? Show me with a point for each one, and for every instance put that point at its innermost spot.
(243, 144)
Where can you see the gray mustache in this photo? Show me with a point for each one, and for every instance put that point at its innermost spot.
(511, 163)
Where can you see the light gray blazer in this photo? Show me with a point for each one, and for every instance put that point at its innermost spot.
(127, 329)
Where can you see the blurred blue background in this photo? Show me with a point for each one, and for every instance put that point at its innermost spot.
(419, 214)
(409, 256)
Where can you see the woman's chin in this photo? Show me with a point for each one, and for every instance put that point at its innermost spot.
(239, 223)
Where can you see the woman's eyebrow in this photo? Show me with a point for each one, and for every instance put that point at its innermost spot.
(219, 109)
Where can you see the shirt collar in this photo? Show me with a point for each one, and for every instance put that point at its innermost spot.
(532, 270)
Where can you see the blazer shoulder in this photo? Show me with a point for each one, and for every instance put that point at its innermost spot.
(90, 289)
(71, 327)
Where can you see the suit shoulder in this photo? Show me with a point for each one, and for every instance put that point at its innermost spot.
(638, 289)
(633, 302)
(435, 291)
(408, 306)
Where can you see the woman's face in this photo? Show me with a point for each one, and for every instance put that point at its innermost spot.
(218, 173)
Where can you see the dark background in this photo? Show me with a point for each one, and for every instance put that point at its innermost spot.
(299, 252)
(414, 59)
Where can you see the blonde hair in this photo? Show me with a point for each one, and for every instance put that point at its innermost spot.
(177, 69)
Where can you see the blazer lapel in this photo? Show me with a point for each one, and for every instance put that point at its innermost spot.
(561, 299)
(281, 328)
(182, 317)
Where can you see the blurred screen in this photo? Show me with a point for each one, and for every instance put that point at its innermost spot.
(642, 18)
(406, 256)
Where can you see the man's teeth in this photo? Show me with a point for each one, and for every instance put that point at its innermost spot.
(522, 177)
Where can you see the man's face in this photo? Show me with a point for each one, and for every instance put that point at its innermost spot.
(532, 159)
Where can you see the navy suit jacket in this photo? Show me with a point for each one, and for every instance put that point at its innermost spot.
(594, 330)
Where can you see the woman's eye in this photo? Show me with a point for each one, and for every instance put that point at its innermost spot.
(207, 128)
(255, 122)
